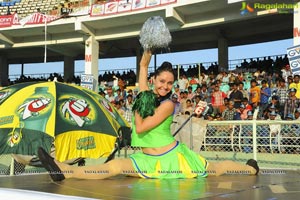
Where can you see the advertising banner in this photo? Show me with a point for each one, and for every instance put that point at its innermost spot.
(116, 7)
(87, 81)
(293, 54)
(38, 18)
(6, 20)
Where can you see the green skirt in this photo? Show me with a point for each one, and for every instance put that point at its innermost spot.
(178, 162)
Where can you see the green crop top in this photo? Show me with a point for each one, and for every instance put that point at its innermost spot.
(159, 136)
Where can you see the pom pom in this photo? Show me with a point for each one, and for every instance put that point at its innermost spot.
(155, 34)
(145, 103)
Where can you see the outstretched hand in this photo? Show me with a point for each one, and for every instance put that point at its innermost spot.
(143, 74)
(146, 58)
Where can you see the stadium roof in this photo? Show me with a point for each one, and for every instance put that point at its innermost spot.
(194, 25)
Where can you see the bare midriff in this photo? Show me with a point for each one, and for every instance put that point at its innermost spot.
(158, 150)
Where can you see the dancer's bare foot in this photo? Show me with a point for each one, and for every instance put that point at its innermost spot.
(66, 169)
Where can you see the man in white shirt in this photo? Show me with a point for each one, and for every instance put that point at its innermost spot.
(183, 82)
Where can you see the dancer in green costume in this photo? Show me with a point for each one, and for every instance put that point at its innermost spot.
(162, 156)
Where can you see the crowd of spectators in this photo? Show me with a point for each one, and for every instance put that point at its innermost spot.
(229, 94)
(51, 77)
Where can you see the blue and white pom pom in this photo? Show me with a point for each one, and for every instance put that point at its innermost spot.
(155, 34)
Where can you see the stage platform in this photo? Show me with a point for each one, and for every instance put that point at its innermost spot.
(269, 185)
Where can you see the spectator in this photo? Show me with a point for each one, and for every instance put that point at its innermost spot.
(121, 83)
(242, 113)
(123, 92)
(243, 91)
(183, 99)
(177, 104)
(240, 77)
(119, 95)
(236, 96)
(177, 91)
(64, 11)
(296, 85)
(217, 99)
(274, 104)
(191, 94)
(254, 94)
(198, 90)
(128, 108)
(119, 108)
(292, 103)
(203, 78)
(225, 78)
(188, 109)
(194, 81)
(231, 85)
(135, 93)
(204, 94)
(289, 81)
(282, 93)
(129, 92)
(297, 114)
(286, 72)
(226, 103)
(230, 112)
(245, 101)
(110, 94)
(183, 82)
(265, 94)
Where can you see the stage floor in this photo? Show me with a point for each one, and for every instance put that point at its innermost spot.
(268, 185)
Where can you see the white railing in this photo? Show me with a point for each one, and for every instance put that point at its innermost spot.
(274, 144)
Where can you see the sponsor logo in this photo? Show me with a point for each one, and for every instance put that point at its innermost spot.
(6, 120)
(86, 143)
(34, 107)
(77, 109)
(108, 108)
(14, 138)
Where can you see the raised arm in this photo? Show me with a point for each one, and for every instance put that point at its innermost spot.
(143, 74)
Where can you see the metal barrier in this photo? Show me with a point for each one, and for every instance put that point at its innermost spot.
(274, 144)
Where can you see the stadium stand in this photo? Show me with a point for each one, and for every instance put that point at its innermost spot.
(26, 7)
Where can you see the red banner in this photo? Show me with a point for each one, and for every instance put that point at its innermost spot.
(6, 20)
